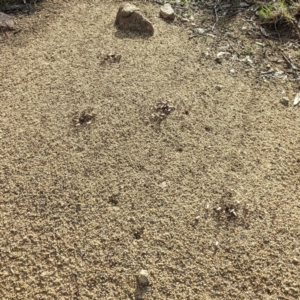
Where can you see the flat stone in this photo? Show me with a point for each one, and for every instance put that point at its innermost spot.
(6, 22)
(128, 18)
(167, 12)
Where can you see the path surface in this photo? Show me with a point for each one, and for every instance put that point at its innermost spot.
(84, 208)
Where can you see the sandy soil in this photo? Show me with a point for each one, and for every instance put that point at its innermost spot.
(206, 200)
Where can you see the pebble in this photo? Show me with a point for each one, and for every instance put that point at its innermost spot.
(128, 9)
(143, 278)
(167, 12)
(219, 87)
(199, 30)
(285, 101)
(295, 261)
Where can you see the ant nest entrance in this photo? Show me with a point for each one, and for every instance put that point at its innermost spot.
(161, 111)
(86, 117)
(228, 210)
(110, 58)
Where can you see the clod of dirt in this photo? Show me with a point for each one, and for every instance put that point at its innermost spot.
(167, 12)
(6, 22)
(143, 278)
(128, 18)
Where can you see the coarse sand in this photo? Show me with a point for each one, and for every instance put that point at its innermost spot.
(160, 160)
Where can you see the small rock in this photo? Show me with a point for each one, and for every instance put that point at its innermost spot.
(199, 30)
(6, 22)
(128, 18)
(167, 12)
(296, 261)
(128, 9)
(221, 56)
(143, 278)
(184, 20)
(219, 87)
(192, 18)
(163, 185)
(285, 101)
(297, 99)
(46, 274)
(232, 71)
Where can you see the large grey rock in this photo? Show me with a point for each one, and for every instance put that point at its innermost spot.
(167, 12)
(129, 18)
(6, 22)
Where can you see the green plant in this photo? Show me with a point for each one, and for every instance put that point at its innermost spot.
(249, 49)
(272, 10)
(265, 10)
(280, 17)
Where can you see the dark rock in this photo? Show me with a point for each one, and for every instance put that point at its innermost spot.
(128, 18)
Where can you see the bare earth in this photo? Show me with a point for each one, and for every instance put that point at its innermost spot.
(95, 188)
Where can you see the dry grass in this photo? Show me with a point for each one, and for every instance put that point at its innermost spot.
(93, 188)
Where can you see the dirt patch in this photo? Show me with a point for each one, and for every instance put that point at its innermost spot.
(207, 202)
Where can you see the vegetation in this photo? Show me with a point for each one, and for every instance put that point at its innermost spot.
(5, 3)
(281, 16)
